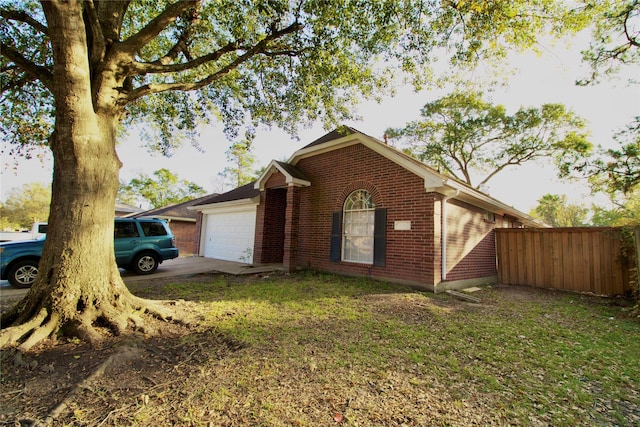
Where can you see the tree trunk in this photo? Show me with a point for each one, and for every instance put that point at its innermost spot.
(78, 284)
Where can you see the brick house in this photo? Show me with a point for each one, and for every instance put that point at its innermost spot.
(348, 203)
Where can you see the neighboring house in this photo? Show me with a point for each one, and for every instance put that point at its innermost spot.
(124, 210)
(182, 222)
(350, 204)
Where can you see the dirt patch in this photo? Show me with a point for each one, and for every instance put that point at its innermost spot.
(72, 383)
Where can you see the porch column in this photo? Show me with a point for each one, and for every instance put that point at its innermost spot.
(292, 222)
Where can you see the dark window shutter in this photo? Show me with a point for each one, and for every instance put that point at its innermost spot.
(336, 236)
(380, 238)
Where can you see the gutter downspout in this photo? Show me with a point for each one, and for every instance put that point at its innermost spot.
(443, 240)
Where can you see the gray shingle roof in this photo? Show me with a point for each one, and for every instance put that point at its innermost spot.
(178, 210)
(247, 191)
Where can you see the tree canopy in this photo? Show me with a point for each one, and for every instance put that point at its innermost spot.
(616, 169)
(473, 140)
(162, 189)
(615, 40)
(25, 205)
(180, 65)
(75, 73)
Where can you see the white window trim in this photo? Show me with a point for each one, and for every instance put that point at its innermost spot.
(345, 215)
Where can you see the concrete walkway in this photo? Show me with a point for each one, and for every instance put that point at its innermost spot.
(196, 265)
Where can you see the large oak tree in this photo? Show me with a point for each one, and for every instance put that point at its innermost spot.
(474, 140)
(74, 72)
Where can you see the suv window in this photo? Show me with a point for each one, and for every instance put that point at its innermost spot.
(125, 229)
(153, 229)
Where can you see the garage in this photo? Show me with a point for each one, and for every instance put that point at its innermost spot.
(229, 233)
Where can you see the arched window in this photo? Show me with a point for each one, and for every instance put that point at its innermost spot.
(358, 227)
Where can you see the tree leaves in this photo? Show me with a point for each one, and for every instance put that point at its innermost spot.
(252, 62)
(473, 140)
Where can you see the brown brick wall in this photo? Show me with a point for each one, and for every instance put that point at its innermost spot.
(185, 234)
(270, 226)
(334, 175)
(412, 256)
(198, 233)
(471, 247)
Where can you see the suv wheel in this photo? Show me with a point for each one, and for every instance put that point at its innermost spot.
(145, 263)
(23, 274)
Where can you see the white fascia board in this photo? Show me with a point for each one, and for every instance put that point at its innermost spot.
(266, 174)
(432, 182)
(484, 201)
(232, 205)
(271, 169)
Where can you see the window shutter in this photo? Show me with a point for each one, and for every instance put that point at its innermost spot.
(380, 238)
(336, 236)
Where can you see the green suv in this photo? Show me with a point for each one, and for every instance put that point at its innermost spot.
(141, 244)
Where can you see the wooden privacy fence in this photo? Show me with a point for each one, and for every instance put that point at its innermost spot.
(574, 259)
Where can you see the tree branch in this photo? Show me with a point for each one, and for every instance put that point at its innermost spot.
(14, 84)
(36, 71)
(627, 16)
(22, 16)
(159, 67)
(156, 26)
(97, 46)
(259, 48)
(182, 45)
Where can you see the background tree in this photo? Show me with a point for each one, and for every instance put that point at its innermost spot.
(163, 188)
(74, 72)
(614, 170)
(473, 140)
(615, 39)
(26, 205)
(554, 210)
(623, 211)
(242, 161)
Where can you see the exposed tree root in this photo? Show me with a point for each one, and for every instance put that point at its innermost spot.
(41, 332)
(11, 336)
(89, 324)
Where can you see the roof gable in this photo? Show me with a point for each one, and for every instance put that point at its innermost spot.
(347, 136)
(434, 181)
(293, 176)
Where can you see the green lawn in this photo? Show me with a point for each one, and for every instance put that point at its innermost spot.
(328, 350)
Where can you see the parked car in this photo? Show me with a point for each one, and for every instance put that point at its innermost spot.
(140, 244)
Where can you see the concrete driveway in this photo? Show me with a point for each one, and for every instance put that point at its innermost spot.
(182, 266)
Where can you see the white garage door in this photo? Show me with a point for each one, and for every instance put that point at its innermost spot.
(229, 235)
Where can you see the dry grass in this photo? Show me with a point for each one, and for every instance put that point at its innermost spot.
(321, 350)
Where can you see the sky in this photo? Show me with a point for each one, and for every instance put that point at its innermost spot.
(549, 78)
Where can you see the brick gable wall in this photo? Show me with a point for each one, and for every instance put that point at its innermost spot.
(334, 175)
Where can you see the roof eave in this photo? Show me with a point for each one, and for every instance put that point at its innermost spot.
(274, 167)
(229, 203)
